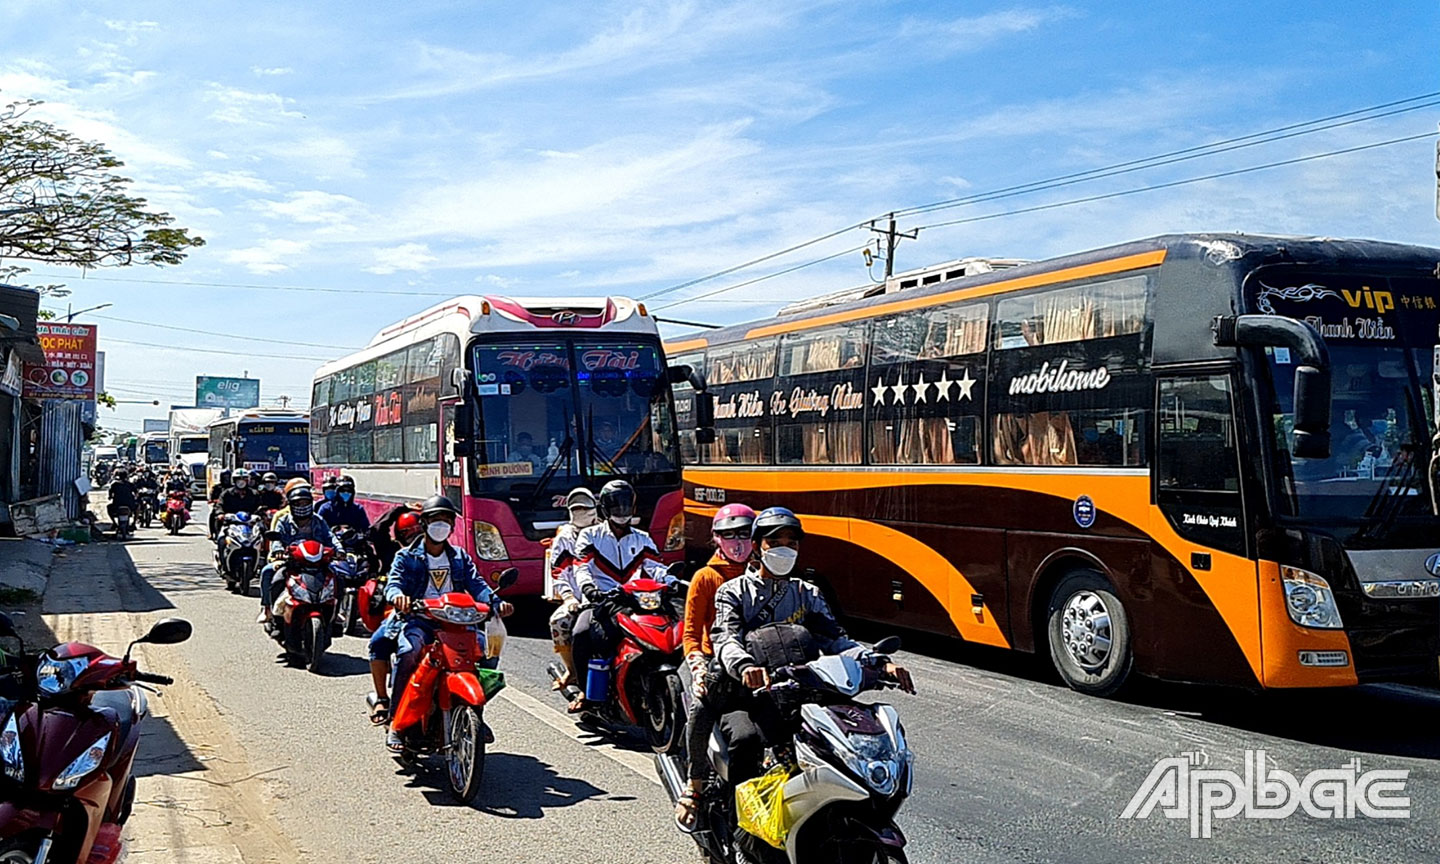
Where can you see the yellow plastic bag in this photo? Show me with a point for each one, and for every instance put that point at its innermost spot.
(760, 805)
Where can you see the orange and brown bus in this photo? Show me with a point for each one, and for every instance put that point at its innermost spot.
(1195, 457)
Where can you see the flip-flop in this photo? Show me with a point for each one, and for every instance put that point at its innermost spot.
(692, 811)
(380, 713)
(394, 744)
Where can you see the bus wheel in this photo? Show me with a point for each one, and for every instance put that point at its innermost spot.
(1089, 634)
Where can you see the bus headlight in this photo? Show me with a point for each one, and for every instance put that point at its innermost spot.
(1309, 600)
(675, 534)
(489, 545)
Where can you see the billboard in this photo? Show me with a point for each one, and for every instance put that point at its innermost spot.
(153, 425)
(226, 392)
(69, 368)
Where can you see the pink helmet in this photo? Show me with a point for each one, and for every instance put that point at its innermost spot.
(733, 516)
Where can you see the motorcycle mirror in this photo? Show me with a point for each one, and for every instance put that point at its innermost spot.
(888, 645)
(509, 576)
(167, 631)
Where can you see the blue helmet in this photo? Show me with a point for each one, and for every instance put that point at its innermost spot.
(773, 519)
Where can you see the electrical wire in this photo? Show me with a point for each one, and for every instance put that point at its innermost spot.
(752, 262)
(245, 285)
(762, 278)
(227, 335)
(215, 350)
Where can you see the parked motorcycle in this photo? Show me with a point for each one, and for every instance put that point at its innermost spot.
(68, 749)
(304, 609)
(238, 557)
(644, 687)
(177, 512)
(353, 568)
(851, 770)
(124, 523)
(441, 710)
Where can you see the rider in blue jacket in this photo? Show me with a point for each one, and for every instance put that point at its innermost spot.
(428, 567)
(342, 509)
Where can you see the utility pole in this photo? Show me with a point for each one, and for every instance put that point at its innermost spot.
(892, 237)
(284, 401)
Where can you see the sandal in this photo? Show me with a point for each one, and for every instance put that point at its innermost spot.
(686, 812)
(579, 706)
(562, 683)
(393, 743)
(380, 712)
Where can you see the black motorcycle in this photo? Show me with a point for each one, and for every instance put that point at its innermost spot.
(354, 565)
(147, 505)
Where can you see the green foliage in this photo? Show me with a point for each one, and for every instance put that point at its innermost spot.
(61, 202)
(105, 399)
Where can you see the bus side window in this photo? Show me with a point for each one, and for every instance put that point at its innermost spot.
(1197, 436)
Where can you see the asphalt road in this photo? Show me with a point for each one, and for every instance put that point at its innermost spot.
(1011, 767)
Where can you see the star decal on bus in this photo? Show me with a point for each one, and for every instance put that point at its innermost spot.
(966, 384)
(920, 387)
(944, 385)
(879, 390)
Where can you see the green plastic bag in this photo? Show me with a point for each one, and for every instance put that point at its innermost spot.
(492, 681)
(760, 806)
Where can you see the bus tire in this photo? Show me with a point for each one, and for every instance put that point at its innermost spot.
(1089, 634)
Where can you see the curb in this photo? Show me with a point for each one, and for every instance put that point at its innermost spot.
(25, 565)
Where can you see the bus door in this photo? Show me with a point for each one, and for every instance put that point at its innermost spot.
(1207, 584)
(452, 484)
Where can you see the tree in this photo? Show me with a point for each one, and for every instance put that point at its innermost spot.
(61, 202)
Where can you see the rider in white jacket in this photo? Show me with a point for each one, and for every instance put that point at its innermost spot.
(560, 583)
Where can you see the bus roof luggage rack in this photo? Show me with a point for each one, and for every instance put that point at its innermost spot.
(924, 276)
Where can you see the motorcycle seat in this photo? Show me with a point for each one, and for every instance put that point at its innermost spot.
(120, 703)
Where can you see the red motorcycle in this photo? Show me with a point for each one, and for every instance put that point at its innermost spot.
(305, 609)
(441, 709)
(68, 748)
(177, 512)
(644, 687)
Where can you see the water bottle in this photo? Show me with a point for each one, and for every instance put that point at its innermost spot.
(597, 680)
(553, 454)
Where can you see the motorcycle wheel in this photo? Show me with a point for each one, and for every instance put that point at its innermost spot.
(18, 852)
(344, 615)
(665, 718)
(318, 639)
(465, 762)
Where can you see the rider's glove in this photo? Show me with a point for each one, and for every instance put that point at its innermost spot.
(592, 594)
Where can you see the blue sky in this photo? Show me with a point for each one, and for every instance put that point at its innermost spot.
(438, 148)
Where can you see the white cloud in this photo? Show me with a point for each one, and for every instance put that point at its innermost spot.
(406, 256)
(268, 256)
(975, 33)
(132, 26)
(313, 207)
(243, 181)
(270, 71)
(247, 107)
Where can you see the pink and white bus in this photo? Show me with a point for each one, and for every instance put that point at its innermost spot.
(503, 405)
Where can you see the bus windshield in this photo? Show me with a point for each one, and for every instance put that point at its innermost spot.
(157, 451)
(554, 412)
(1382, 355)
(275, 446)
(195, 445)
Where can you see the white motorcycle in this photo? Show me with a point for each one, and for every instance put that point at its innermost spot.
(852, 771)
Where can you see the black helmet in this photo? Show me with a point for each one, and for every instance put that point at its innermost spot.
(300, 493)
(772, 520)
(329, 482)
(438, 504)
(270, 477)
(617, 499)
(345, 483)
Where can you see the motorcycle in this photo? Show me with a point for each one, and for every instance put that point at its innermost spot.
(68, 751)
(237, 558)
(177, 512)
(851, 770)
(100, 473)
(124, 527)
(147, 504)
(441, 709)
(305, 609)
(353, 568)
(644, 687)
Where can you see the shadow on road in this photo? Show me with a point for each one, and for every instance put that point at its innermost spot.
(162, 751)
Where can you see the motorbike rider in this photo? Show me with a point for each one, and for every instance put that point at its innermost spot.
(560, 578)
(239, 498)
(428, 567)
(610, 552)
(122, 493)
(177, 482)
(395, 530)
(298, 523)
(342, 509)
(328, 488)
(290, 486)
(765, 594)
(271, 498)
(730, 534)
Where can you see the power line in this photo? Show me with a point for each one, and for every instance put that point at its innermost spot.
(763, 278)
(215, 350)
(226, 335)
(752, 262)
(246, 285)
(1215, 176)
(1241, 142)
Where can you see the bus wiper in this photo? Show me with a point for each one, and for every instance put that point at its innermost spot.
(550, 471)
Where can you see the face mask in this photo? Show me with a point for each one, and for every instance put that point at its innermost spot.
(780, 560)
(620, 520)
(736, 549)
(301, 511)
(347, 497)
(582, 517)
(438, 531)
(269, 487)
(329, 494)
(241, 483)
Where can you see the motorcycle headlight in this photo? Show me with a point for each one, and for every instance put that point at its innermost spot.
(489, 545)
(873, 760)
(54, 676)
(458, 614)
(11, 757)
(83, 764)
(675, 534)
(1309, 600)
(648, 601)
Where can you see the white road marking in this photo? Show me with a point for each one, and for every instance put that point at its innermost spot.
(640, 763)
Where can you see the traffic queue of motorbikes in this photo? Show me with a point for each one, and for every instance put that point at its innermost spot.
(817, 776)
(134, 498)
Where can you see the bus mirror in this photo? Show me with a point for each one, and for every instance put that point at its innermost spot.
(457, 378)
(1312, 371)
(705, 418)
(683, 374)
(1312, 413)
